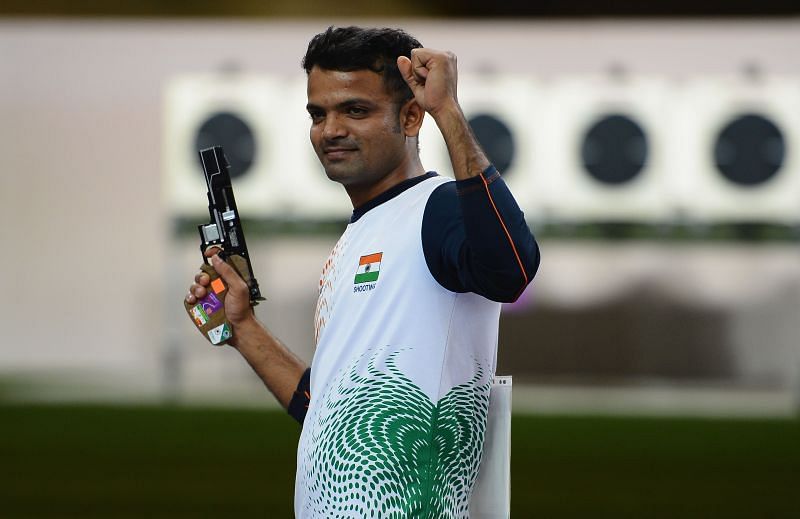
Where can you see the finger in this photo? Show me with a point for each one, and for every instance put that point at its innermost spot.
(198, 291)
(420, 59)
(190, 298)
(227, 273)
(211, 251)
(202, 278)
(421, 72)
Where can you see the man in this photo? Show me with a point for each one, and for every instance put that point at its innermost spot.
(394, 405)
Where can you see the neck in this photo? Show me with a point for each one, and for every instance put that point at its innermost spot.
(409, 168)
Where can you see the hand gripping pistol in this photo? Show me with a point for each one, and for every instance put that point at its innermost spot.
(225, 232)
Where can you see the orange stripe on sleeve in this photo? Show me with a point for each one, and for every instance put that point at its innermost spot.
(508, 235)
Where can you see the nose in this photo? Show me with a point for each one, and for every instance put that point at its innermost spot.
(333, 127)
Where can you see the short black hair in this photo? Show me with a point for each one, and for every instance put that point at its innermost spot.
(357, 48)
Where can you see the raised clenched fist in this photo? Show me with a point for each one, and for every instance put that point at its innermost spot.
(432, 76)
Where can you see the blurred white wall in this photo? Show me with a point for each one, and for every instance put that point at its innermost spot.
(88, 283)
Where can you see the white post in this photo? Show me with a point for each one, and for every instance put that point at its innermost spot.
(491, 495)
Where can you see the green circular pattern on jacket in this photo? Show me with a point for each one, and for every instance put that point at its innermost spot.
(382, 449)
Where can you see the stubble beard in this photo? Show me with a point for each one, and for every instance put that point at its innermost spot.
(345, 172)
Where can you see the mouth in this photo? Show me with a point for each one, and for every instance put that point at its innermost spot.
(337, 153)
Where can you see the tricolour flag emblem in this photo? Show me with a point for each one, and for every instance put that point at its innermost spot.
(369, 267)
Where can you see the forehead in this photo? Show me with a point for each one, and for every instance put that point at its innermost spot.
(329, 87)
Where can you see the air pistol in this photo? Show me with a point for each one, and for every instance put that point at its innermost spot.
(224, 231)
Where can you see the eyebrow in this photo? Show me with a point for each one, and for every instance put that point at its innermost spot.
(344, 104)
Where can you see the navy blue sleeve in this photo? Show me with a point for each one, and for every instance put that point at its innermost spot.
(475, 238)
(298, 407)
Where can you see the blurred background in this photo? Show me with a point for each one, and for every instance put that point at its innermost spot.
(655, 150)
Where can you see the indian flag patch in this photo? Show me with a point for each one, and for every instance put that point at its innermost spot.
(369, 267)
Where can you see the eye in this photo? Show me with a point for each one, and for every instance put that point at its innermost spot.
(357, 111)
(316, 116)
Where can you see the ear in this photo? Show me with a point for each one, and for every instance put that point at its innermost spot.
(411, 116)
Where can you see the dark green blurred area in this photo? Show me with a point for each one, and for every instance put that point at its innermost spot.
(117, 462)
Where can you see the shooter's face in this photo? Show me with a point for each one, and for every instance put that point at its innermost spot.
(355, 127)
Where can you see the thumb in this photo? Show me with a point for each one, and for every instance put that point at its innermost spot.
(406, 70)
(227, 273)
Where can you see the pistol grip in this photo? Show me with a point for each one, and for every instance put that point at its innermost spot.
(208, 314)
